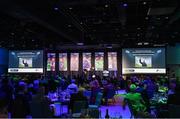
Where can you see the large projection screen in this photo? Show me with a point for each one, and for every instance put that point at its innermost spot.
(143, 61)
(99, 61)
(112, 61)
(26, 61)
(51, 61)
(62, 61)
(74, 63)
(87, 61)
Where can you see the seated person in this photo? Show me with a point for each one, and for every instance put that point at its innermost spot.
(3, 108)
(109, 91)
(175, 98)
(95, 88)
(136, 100)
(19, 107)
(77, 97)
(39, 106)
(172, 87)
(72, 88)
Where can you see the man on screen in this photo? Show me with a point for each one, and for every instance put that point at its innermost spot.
(143, 63)
(25, 63)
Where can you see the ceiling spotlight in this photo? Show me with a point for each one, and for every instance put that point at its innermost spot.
(106, 6)
(56, 8)
(144, 3)
(125, 5)
(80, 44)
(146, 18)
(12, 33)
(146, 43)
(139, 43)
(166, 17)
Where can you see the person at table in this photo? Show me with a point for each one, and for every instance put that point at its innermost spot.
(77, 97)
(39, 106)
(19, 107)
(175, 98)
(95, 88)
(136, 100)
(109, 88)
(172, 86)
(72, 88)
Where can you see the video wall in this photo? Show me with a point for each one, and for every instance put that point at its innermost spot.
(25, 61)
(62, 61)
(143, 60)
(134, 61)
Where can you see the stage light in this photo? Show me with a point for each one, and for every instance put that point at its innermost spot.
(127, 51)
(159, 51)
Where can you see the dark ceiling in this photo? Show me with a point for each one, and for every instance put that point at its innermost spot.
(54, 24)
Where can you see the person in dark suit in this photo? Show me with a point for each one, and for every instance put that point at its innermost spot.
(77, 97)
(175, 98)
(143, 63)
(25, 64)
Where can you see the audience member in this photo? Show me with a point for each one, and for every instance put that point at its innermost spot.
(72, 88)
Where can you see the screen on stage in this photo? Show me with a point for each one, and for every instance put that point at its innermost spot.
(25, 61)
(112, 61)
(51, 61)
(62, 61)
(99, 61)
(143, 60)
(74, 65)
(87, 61)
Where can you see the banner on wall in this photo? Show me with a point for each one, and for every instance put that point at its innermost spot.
(112, 61)
(87, 61)
(62, 61)
(99, 61)
(51, 61)
(74, 62)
